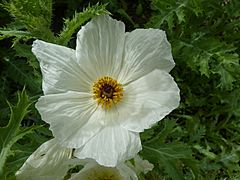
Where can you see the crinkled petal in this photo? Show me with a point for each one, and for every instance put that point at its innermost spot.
(148, 100)
(126, 172)
(140, 165)
(60, 69)
(145, 50)
(111, 146)
(100, 46)
(73, 117)
(50, 161)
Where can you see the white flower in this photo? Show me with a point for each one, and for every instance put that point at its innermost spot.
(140, 165)
(49, 162)
(53, 162)
(98, 97)
(123, 171)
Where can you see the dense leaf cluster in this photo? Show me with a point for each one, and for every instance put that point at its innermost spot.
(199, 140)
(205, 40)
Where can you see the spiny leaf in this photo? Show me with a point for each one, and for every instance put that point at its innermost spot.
(35, 15)
(227, 79)
(168, 156)
(12, 132)
(24, 50)
(22, 74)
(70, 26)
(231, 159)
(5, 33)
(206, 151)
(210, 56)
(167, 11)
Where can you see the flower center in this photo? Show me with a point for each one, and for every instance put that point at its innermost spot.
(107, 91)
(102, 173)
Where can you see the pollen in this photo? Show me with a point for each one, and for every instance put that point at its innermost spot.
(107, 92)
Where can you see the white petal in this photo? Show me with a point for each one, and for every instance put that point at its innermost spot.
(93, 171)
(72, 116)
(145, 50)
(100, 46)
(50, 161)
(59, 68)
(140, 165)
(111, 146)
(126, 172)
(148, 100)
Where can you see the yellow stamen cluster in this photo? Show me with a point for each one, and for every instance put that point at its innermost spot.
(107, 91)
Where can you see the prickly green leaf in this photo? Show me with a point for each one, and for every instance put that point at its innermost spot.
(167, 12)
(20, 35)
(11, 133)
(70, 26)
(169, 156)
(35, 16)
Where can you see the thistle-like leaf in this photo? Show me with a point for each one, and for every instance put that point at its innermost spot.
(11, 133)
(70, 26)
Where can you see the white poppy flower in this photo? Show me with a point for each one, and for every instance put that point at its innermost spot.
(98, 97)
(49, 162)
(94, 171)
(53, 162)
(123, 171)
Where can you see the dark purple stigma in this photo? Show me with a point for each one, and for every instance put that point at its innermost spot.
(107, 90)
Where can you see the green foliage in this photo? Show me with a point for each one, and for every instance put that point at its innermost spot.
(17, 70)
(168, 12)
(34, 15)
(19, 35)
(70, 26)
(200, 32)
(205, 40)
(11, 133)
(171, 157)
